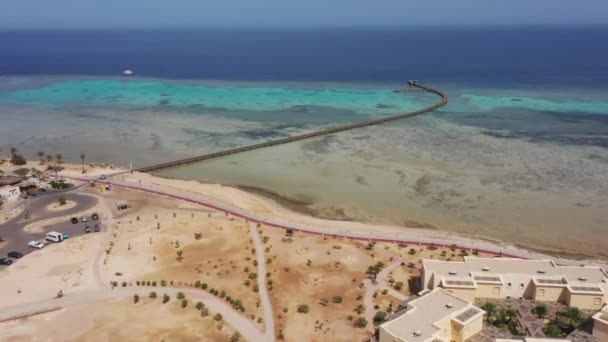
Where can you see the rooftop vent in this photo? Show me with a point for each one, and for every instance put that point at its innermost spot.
(452, 273)
(485, 269)
(417, 333)
(449, 305)
(541, 271)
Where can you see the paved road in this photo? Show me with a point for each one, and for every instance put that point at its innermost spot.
(17, 239)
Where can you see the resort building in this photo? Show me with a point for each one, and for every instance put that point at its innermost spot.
(9, 193)
(585, 287)
(434, 316)
(600, 324)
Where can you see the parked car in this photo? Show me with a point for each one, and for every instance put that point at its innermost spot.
(87, 229)
(83, 219)
(15, 255)
(95, 216)
(5, 261)
(35, 244)
(66, 236)
(96, 228)
(74, 220)
(102, 177)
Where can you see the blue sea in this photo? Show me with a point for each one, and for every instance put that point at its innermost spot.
(520, 153)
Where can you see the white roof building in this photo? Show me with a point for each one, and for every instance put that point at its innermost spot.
(583, 286)
(435, 316)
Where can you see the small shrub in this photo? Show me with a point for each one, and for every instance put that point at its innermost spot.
(135, 299)
(152, 295)
(337, 300)
(303, 308)
(184, 303)
(218, 317)
(204, 286)
(361, 322)
(181, 295)
(166, 298)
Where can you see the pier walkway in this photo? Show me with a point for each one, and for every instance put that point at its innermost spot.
(443, 101)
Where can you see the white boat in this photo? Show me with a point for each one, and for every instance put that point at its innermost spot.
(128, 72)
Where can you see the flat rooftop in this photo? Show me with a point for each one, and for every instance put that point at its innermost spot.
(502, 266)
(417, 324)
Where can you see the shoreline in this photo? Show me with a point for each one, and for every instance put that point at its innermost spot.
(302, 208)
(255, 207)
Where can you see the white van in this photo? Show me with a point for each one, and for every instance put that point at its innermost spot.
(54, 237)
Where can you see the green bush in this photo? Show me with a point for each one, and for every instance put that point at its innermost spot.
(22, 172)
(166, 298)
(60, 184)
(184, 303)
(337, 300)
(218, 317)
(135, 299)
(152, 295)
(303, 308)
(181, 295)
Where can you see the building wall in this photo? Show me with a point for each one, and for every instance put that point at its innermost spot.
(468, 294)
(516, 286)
(585, 301)
(549, 294)
(473, 327)
(385, 336)
(489, 291)
(600, 330)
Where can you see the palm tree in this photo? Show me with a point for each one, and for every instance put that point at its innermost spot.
(13, 153)
(49, 158)
(490, 309)
(41, 157)
(82, 157)
(509, 315)
(541, 310)
(574, 316)
(59, 158)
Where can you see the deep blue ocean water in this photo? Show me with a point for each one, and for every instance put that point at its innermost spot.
(480, 55)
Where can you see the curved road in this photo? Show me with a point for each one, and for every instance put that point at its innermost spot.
(12, 231)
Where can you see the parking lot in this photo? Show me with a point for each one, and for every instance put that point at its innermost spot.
(17, 238)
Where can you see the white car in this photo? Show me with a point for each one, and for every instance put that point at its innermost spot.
(83, 219)
(35, 244)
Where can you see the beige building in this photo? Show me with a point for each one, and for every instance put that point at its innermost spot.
(600, 324)
(585, 287)
(434, 316)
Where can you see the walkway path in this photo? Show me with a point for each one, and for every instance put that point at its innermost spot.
(239, 322)
(440, 242)
(263, 291)
(370, 288)
(443, 101)
(105, 242)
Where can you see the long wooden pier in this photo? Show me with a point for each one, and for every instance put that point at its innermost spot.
(443, 101)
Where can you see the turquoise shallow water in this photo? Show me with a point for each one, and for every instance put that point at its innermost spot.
(485, 102)
(231, 97)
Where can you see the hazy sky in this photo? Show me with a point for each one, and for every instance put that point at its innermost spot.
(309, 13)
